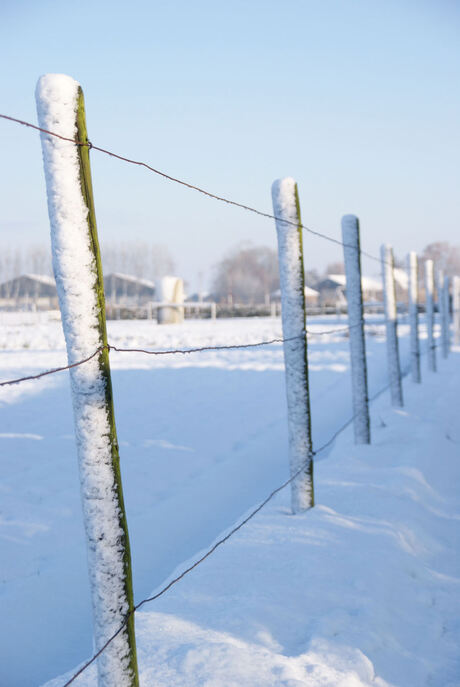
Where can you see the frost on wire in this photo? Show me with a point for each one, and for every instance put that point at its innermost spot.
(76, 276)
(286, 207)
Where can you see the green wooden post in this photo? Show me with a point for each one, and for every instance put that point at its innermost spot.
(87, 191)
(78, 271)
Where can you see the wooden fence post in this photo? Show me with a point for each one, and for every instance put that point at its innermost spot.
(391, 322)
(412, 265)
(78, 273)
(286, 209)
(429, 291)
(352, 256)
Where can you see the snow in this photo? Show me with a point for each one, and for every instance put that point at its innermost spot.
(290, 260)
(361, 590)
(367, 283)
(42, 278)
(401, 278)
(75, 273)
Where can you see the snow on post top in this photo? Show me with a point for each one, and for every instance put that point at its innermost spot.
(349, 228)
(56, 96)
(284, 203)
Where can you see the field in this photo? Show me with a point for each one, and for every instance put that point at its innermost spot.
(203, 438)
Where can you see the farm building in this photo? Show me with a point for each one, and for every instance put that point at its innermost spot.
(332, 290)
(29, 291)
(124, 289)
(311, 296)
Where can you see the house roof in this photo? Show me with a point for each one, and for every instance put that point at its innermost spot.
(39, 284)
(367, 283)
(308, 292)
(130, 279)
(42, 278)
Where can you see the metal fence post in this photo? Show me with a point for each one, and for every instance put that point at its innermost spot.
(391, 322)
(429, 291)
(352, 256)
(413, 316)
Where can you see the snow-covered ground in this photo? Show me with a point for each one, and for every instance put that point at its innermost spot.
(362, 590)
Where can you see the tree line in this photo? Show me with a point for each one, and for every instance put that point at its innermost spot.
(246, 274)
(139, 259)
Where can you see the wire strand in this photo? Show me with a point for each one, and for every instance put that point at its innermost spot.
(177, 351)
(222, 540)
(193, 187)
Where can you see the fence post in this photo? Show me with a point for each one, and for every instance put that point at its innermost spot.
(429, 291)
(445, 315)
(456, 308)
(286, 209)
(389, 297)
(412, 265)
(78, 273)
(352, 257)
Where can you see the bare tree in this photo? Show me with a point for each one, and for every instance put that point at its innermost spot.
(312, 278)
(143, 260)
(445, 256)
(248, 274)
(335, 268)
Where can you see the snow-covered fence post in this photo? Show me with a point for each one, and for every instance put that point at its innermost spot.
(456, 307)
(213, 311)
(78, 272)
(445, 315)
(286, 209)
(412, 265)
(429, 306)
(352, 257)
(389, 297)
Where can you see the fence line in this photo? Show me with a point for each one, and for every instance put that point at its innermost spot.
(214, 196)
(221, 541)
(229, 534)
(109, 347)
(174, 351)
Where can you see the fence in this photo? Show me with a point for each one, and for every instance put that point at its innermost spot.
(295, 341)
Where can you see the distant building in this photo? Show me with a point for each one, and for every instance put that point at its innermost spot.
(332, 290)
(311, 296)
(123, 289)
(31, 291)
(202, 297)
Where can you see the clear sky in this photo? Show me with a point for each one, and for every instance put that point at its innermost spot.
(359, 100)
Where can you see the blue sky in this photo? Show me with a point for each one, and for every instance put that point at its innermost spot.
(358, 100)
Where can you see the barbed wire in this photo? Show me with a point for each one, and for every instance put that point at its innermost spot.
(179, 351)
(225, 538)
(185, 351)
(54, 370)
(193, 187)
